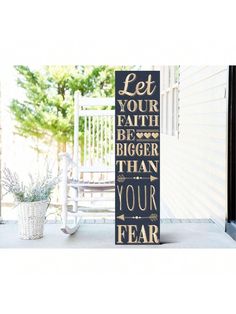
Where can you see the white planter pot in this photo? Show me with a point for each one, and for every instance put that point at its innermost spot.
(31, 218)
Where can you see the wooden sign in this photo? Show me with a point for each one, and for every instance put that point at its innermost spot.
(137, 157)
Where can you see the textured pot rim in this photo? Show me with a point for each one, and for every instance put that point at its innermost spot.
(36, 202)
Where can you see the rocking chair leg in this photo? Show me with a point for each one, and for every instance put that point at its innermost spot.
(64, 191)
(75, 203)
(66, 226)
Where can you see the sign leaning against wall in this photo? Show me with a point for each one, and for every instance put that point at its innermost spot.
(137, 157)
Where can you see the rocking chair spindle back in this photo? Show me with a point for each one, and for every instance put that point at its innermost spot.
(93, 159)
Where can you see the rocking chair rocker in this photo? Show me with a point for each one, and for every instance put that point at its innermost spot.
(89, 174)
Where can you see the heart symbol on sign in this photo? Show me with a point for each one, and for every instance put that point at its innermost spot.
(155, 135)
(147, 135)
(139, 135)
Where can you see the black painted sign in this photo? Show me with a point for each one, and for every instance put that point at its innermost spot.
(137, 157)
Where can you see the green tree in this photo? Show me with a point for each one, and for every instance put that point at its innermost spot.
(47, 109)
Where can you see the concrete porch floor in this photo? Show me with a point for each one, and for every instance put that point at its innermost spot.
(174, 234)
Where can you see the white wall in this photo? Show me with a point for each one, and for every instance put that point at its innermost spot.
(193, 163)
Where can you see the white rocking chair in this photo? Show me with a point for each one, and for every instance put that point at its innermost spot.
(90, 173)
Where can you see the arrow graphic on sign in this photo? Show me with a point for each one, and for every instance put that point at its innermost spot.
(121, 178)
(152, 217)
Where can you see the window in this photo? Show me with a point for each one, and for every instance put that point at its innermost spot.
(169, 100)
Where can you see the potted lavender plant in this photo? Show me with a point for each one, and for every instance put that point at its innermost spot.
(32, 201)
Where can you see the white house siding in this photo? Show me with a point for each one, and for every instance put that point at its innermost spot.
(193, 162)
